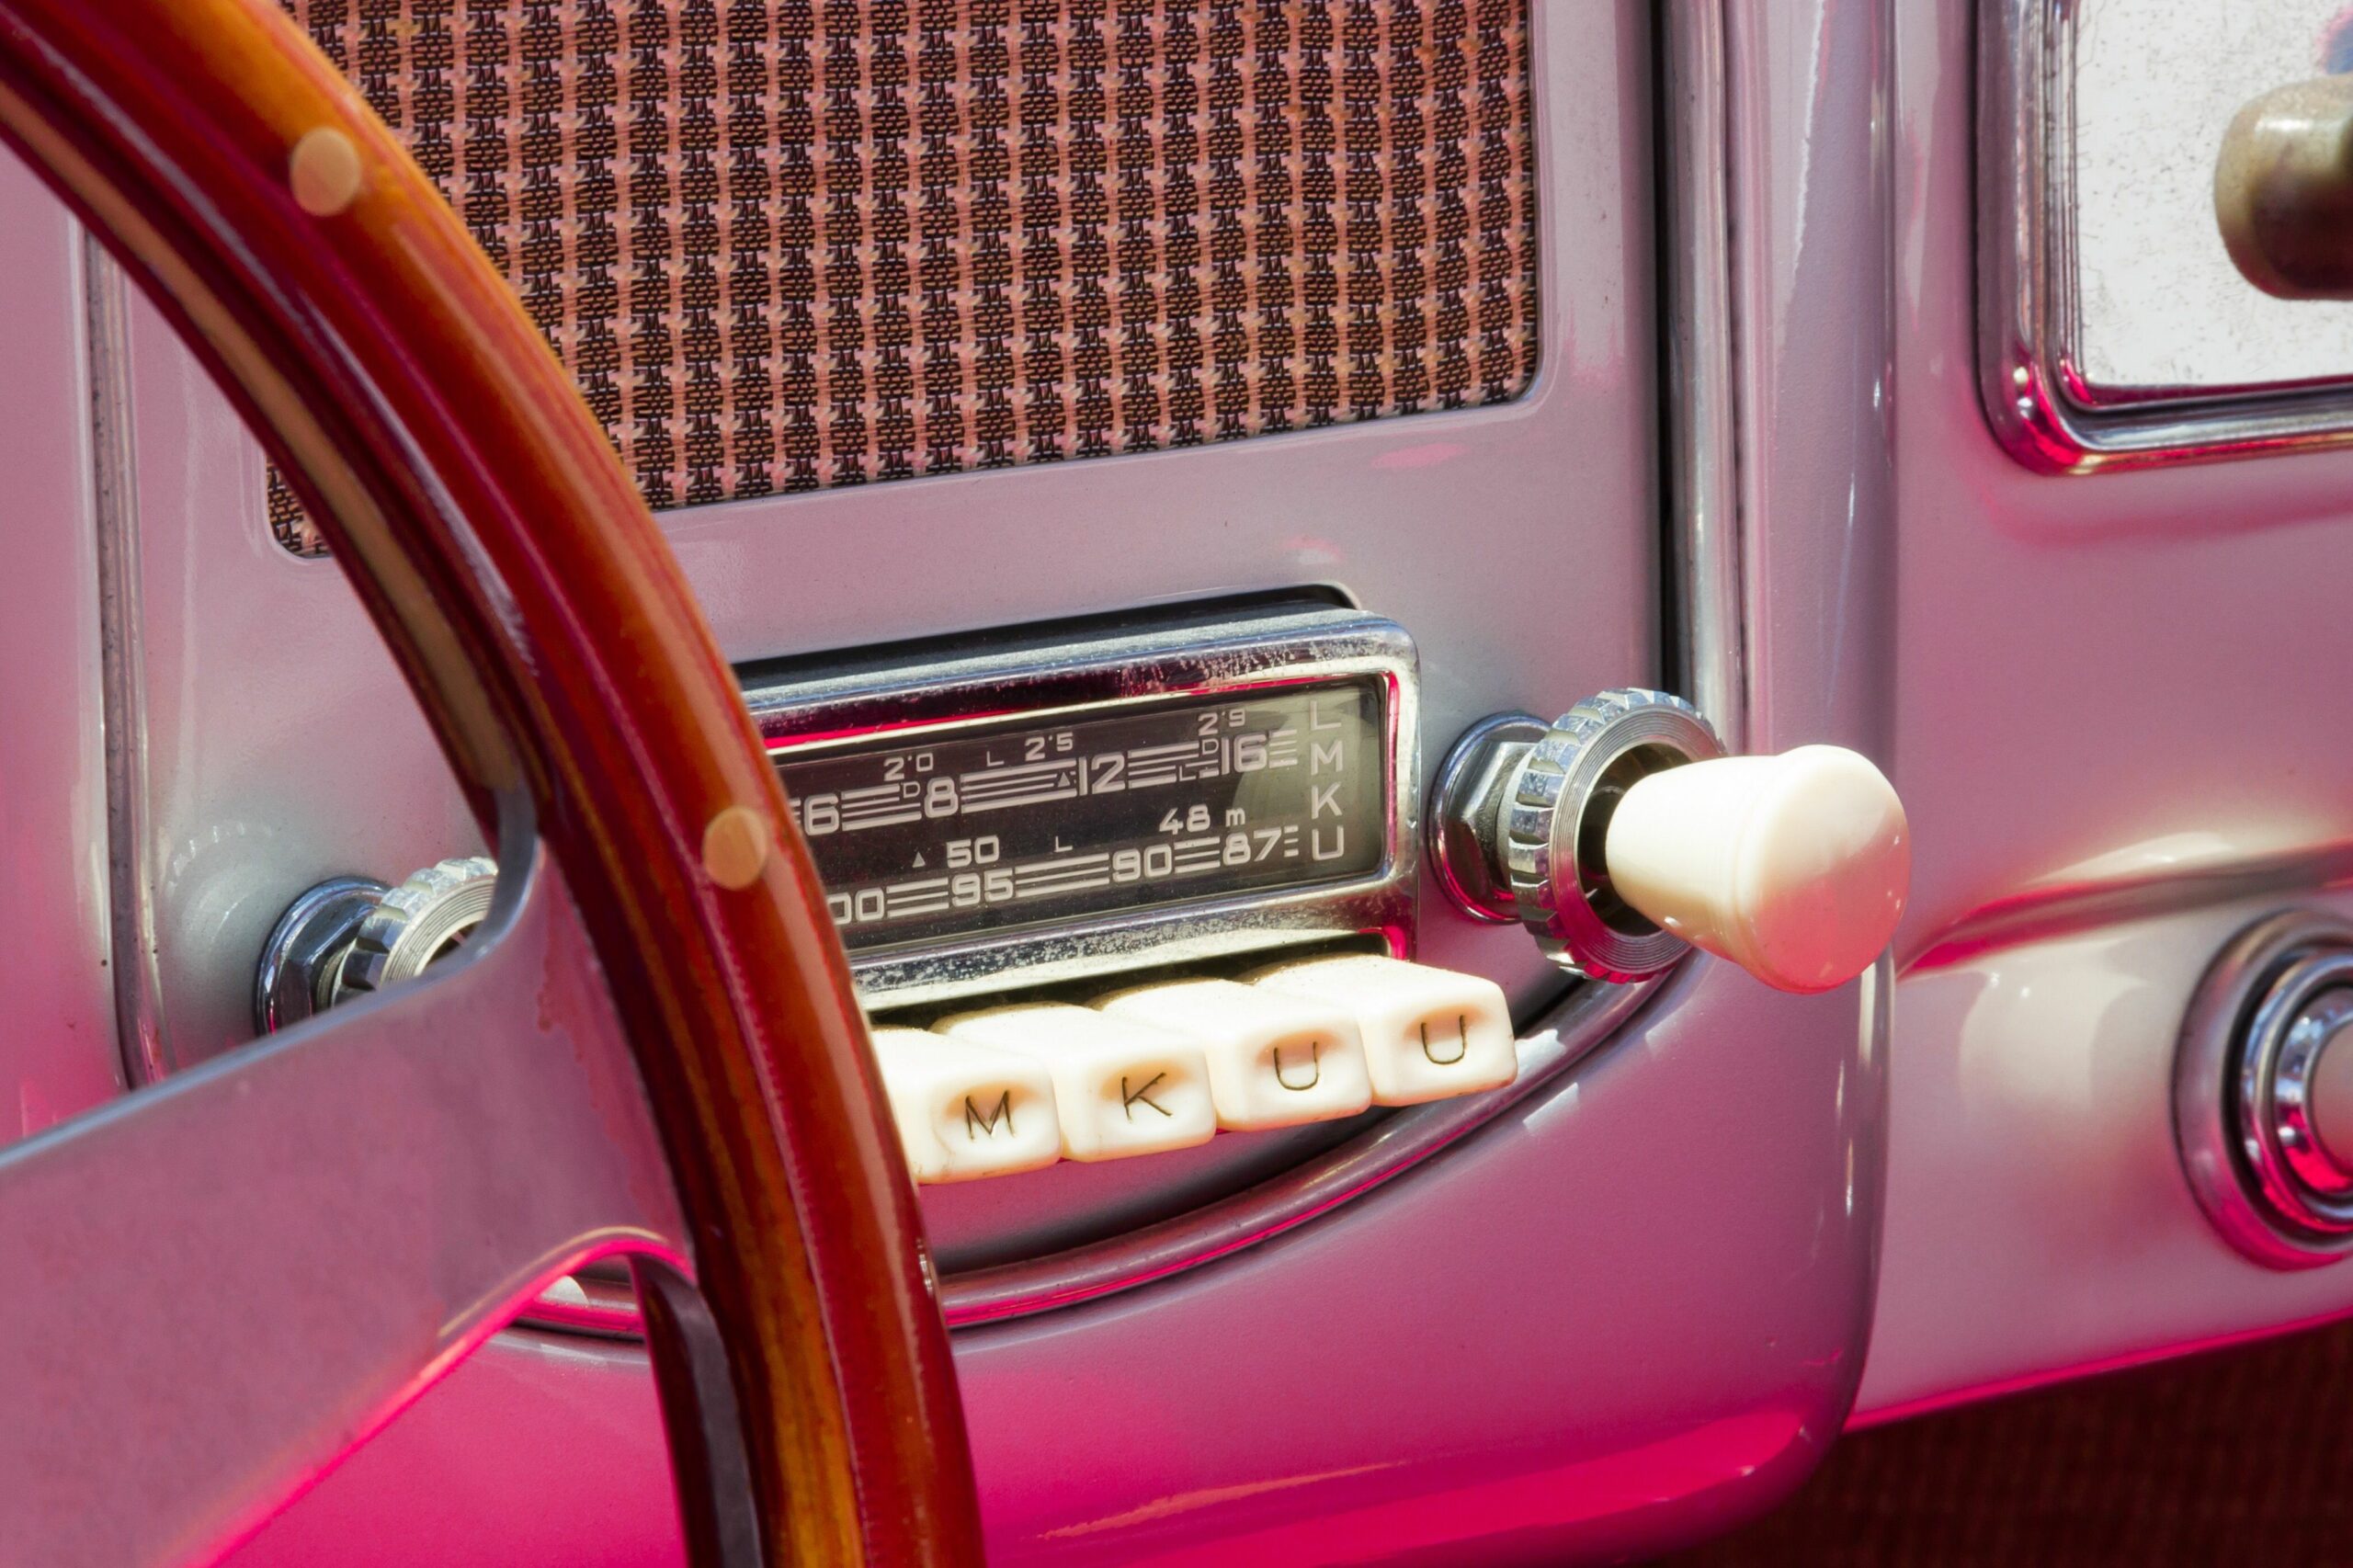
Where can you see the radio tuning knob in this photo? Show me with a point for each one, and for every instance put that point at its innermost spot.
(1621, 836)
(425, 918)
(350, 936)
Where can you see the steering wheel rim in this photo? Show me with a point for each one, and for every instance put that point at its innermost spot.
(558, 652)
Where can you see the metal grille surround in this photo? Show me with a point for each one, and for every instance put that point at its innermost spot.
(785, 245)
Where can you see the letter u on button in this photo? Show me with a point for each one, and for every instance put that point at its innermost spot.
(1314, 1067)
(1461, 1042)
(1428, 1033)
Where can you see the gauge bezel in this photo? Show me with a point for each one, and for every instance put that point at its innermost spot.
(1048, 677)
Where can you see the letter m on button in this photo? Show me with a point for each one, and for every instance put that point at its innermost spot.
(978, 1124)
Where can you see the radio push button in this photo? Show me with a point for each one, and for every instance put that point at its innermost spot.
(1428, 1033)
(1275, 1060)
(1120, 1087)
(966, 1110)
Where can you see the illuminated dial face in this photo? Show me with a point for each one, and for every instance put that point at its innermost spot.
(1003, 826)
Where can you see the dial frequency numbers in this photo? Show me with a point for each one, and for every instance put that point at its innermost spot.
(1174, 804)
(1076, 871)
(914, 790)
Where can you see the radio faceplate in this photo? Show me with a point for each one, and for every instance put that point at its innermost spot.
(1046, 807)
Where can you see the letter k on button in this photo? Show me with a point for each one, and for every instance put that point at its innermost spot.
(1121, 1088)
(1131, 1096)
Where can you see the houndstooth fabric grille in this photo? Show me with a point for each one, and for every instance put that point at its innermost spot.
(784, 245)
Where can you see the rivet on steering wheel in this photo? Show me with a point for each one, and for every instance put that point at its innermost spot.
(736, 848)
(324, 172)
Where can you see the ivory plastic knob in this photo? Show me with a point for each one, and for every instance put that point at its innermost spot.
(1793, 866)
(1622, 838)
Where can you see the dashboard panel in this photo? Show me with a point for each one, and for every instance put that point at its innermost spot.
(1117, 619)
(2041, 1223)
(1606, 1340)
(800, 247)
(247, 803)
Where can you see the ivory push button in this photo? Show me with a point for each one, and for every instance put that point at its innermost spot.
(1120, 1087)
(965, 1110)
(1428, 1033)
(1275, 1060)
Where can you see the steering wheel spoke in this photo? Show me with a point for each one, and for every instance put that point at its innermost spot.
(220, 1285)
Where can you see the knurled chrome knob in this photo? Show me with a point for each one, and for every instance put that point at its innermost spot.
(1621, 836)
(351, 935)
(427, 917)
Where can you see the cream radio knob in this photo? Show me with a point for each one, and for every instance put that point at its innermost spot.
(1620, 836)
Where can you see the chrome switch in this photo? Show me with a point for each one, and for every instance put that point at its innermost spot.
(1621, 836)
(2263, 1090)
(350, 936)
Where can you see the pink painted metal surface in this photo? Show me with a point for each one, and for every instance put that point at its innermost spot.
(570, 1426)
(288, 1245)
(2119, 740)
(59, 1057)
(1627, 1313)
(1465, 1363)
(1461, 1367)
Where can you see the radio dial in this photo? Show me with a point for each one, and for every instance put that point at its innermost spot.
(1621, 836)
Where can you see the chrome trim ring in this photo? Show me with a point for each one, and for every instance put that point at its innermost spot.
(1557, 878)
(805, 710)
(2274, 995)
(2288, 1124)
(300, 961)
(2286, 1023)
(2034, 396)
(416, 922)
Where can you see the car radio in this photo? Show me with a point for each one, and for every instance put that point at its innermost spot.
(1051, 807)
(1110, 891)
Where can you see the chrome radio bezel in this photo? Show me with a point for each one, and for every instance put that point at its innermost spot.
(811, 709)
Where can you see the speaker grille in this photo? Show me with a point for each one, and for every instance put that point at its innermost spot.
(788, 245)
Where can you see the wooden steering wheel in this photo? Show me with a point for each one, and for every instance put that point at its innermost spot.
(221, 1284)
